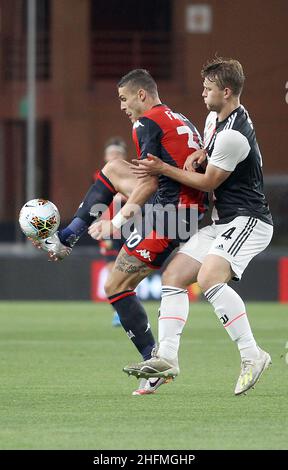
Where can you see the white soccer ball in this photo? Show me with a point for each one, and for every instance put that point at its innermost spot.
(39, 218)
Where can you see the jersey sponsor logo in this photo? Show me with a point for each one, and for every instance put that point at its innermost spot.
(144, 253)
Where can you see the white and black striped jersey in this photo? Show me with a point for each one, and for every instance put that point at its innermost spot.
(232, 146)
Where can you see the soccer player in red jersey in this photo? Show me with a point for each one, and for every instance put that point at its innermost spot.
(170, 135)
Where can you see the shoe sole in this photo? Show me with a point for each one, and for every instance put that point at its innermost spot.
(173, 372)
(267, 363)
(142, 391)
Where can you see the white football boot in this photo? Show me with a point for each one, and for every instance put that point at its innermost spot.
(53, 246)
(154, 367)
(251, 371)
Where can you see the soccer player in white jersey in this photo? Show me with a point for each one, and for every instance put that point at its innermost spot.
(242, 227)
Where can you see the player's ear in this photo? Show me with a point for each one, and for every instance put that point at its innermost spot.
(142, 94)
(227, 92)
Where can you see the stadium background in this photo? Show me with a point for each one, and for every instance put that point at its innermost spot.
(61, 381)
(82, 49)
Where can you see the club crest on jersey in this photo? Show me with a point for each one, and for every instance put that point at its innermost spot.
(137, 124)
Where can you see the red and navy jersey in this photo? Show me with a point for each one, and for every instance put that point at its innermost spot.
(171, 137)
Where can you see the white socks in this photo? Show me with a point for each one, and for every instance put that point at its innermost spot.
(229, 308)
(231, 311)
(174, 310)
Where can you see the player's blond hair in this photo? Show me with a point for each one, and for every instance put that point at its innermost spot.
(225, 73)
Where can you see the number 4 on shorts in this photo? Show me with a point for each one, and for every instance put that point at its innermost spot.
(228, 234)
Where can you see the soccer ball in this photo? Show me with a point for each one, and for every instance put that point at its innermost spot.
(39, 218)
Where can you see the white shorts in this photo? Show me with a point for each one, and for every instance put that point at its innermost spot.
(238, 242)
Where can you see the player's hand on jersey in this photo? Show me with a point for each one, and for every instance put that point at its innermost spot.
(151, 166)
(101, 229)
(53, 246)
(195, 160)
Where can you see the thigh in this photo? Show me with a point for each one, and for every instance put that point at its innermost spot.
(181, 271)
(198, 246)
(122, 179)
(127, 272)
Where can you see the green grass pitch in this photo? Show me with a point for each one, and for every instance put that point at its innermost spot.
(62, 385)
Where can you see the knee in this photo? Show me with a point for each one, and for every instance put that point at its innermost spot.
(202, 281)
(110, 287)
(212, 273)
(114, 170)
(113, 285)
(109, 168)
(172, 278)
(206, 280)
(168, 277)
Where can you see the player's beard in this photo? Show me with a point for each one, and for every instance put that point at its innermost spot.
(213, 107)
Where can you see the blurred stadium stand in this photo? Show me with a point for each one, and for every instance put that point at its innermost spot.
(27, 275)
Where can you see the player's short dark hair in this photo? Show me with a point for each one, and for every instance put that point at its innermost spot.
(139, 78)
(225, 73)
